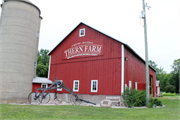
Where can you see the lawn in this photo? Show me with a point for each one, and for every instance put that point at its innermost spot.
(171, 111)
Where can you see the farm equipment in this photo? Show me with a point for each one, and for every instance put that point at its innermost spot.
(42, 95)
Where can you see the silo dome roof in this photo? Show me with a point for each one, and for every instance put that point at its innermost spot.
(26, 1)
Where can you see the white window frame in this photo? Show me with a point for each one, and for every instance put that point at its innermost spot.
(80, 32)
(44, 84)
(58, 85)
(75, 86)
(130, 85)
(92, 85)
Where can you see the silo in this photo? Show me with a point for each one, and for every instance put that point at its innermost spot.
(19, 37)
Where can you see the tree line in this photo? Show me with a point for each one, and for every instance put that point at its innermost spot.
(169, 81)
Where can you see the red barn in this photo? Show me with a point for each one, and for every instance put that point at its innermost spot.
(96, 65)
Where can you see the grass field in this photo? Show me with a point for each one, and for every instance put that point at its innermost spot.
(171, 111)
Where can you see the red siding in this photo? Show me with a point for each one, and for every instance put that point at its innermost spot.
(141, 86)
(38, 85)
(107, 72)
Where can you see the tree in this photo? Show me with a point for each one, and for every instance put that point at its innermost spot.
(176, 66)
(168, 79)
(153, 64)
(42, 63)
(175, 74)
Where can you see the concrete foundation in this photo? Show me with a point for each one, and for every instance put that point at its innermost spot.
(91, 98)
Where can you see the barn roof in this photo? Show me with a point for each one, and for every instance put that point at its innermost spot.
(104, 34)
(41, 80)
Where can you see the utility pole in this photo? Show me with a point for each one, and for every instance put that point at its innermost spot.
(146, 51)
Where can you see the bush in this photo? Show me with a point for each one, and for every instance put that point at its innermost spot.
(157, 102)
(170, 88)
(169, 94)
(134, 97)
(137, 98)
(130, 97)
(151, 103)
(141, 101)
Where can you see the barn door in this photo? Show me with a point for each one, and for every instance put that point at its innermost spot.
(151, 86)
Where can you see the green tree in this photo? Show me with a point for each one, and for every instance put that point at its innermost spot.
(153, 64)
(42, 63)
(175, 74)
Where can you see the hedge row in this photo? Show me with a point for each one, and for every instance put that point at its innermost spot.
(169, 94)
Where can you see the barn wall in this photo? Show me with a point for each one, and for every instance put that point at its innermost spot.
(107, 72)
(135, 71)
(106, 68)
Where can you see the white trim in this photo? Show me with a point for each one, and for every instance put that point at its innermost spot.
(74, 86)
(136, 85)
(44, 84)
(130, 85)
(80, 32)
(92, 85)
(49, 66)
(125, 86)
(122, 69)
(58, 85)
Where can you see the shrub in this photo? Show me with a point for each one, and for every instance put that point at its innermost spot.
(157, 102)
(170, 88)
(169, 94)
(151, 103)
(134, 97)
(137, 98)
(141, 101)
(130, 97)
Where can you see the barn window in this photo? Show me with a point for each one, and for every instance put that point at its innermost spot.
(44, 85)
(82, 32)
(76, 85)
(94, 85)
(59, 89)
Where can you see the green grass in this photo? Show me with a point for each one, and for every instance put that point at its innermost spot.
(41, 112)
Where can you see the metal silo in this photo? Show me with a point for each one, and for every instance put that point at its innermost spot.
(19, 37)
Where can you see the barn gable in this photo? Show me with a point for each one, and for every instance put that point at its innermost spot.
(102, 33)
